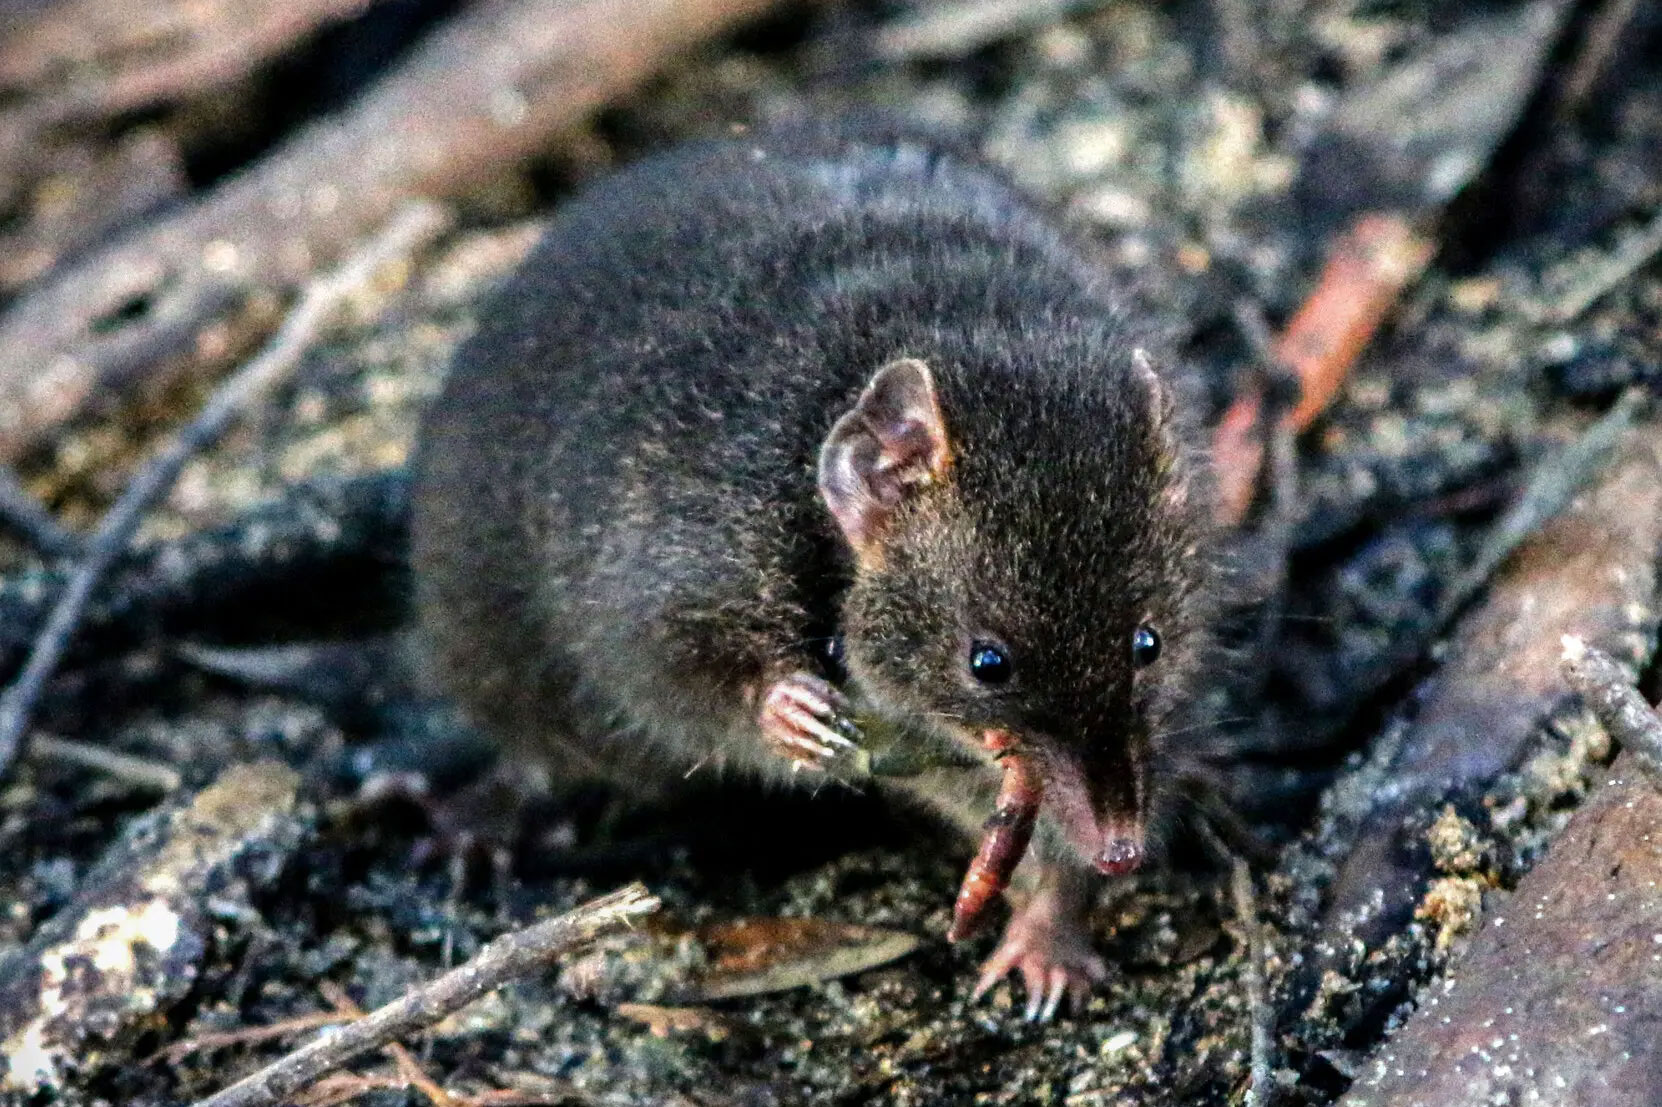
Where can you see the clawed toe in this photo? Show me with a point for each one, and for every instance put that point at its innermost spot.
(806, 720)
(1054, 960)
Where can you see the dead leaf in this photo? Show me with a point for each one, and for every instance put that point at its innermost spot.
(752, 956)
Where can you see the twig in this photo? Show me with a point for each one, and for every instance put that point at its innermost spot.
(1556, 481)
(416, 225)
(150, 775)
(23, 514)
(1629, 257)
(512, 955)
(408, 1068)
(1262, 1077)
(1607, 687)
(248, 1035)
(1607, 30)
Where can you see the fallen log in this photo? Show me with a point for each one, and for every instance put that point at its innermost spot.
(486, 91)
(1559, 997)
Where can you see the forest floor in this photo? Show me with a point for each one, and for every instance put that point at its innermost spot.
(1395, 723)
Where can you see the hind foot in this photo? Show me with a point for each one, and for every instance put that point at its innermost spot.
(1048, 944)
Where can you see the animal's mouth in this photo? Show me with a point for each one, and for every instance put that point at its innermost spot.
(1112, 844)
(1036, 777)
(1099, 813)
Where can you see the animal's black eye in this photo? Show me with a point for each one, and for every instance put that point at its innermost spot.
(1145, 646)
(989, 663)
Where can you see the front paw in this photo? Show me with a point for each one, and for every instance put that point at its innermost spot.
(1048, 945)
(807, 721)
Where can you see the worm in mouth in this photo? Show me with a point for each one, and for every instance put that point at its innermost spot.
(1004, 840)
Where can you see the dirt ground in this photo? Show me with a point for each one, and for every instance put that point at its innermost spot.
(1390, 718)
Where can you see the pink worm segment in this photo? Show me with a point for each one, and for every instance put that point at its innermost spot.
(1004, 840)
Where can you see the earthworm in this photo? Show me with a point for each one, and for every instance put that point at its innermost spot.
(1004, 840)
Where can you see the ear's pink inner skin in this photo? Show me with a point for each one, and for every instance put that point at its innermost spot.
(1003, 841)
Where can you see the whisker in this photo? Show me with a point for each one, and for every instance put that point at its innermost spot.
(1202, 725)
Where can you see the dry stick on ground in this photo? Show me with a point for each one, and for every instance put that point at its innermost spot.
(1607, 30)
(249, 1035)
(1607, 687)
(415, 226)
(151, 776)
(513, 955)
(1631, 255)
(1370, 265)
(408, 1068)
(485, 92)
(1554, 482)
(1262, 1077)
(23, 514)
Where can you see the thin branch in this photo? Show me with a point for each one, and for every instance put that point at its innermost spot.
(1607, 687)
(1262, 1078)
(249, 1035)
(152, 776)
(418, 224)
(409, 1069)
(1632, 255)
(513, 955)
(24, 515)
(1554, 482)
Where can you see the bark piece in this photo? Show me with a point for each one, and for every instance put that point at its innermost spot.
(1589, 573)
(1559, 998)
(132, 944)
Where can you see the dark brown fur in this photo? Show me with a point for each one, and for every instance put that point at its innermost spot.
(620, 542)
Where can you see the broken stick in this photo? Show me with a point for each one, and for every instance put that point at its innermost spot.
(1607, 687)
(513, 955)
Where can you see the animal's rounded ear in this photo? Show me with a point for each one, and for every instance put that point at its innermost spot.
(1159, 396)
(1166, 436)
(890, 444)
